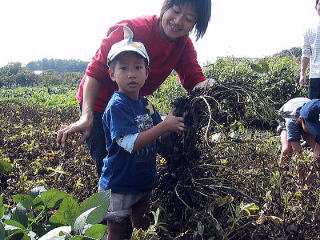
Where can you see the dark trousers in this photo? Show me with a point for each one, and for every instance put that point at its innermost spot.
(314, 88)
(96, 142)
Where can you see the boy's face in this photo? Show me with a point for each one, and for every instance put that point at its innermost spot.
(130, 74)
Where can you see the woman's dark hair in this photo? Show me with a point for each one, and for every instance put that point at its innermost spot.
(317, 2)
(203, 9)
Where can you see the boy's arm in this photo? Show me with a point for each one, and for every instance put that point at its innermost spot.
(169, 124)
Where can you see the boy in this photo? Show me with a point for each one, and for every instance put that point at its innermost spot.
(131, 126)
(302, 119)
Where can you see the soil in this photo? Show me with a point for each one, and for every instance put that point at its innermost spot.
(218, 180)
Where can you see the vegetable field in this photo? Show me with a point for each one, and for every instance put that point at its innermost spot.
(219, 180)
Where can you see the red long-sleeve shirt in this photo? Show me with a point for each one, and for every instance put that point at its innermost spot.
(165, 56)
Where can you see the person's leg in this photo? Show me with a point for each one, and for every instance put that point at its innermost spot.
(140, 213)
(313, 167)
(118, 217)
(119, 230)
(96, 142)
(314, 171)
(314, 88)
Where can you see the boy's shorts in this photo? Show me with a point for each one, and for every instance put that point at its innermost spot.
(120, 206)
(282, 126)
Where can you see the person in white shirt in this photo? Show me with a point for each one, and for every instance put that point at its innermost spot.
(311, 55)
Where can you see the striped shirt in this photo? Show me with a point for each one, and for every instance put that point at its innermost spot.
(311, 49)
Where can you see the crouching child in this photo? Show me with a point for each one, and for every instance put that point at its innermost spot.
(302, 121)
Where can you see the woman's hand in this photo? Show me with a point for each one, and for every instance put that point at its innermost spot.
(205, 84)
(83, 125)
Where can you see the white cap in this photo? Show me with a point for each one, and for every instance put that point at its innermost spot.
(127, 45)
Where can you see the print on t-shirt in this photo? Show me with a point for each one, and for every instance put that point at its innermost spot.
(145, 122)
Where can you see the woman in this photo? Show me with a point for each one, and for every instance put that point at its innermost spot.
(169, 47)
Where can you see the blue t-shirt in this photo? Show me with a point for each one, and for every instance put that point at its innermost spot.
(124, 172)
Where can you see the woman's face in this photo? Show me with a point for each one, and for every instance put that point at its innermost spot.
(178, 21)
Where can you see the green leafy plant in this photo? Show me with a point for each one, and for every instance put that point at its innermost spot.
(53, 214)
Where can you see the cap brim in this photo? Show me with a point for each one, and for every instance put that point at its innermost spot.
(314, 128)
(128, 49)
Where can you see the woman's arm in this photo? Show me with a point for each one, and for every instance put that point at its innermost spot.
(84, 124)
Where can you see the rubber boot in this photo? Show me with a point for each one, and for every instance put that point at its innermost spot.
(119, 230)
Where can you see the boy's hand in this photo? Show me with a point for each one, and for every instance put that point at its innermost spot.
(174, 124)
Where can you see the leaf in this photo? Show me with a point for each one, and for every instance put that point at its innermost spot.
(81, 221)
(200, 228)
(51, 197)
(24, 199)
(101, 200)
(220, 201)
(67, 213)
(249, 207)
(57, 233)
(276, 219)
(2, 209)
(2, 232)
(38, 204)
(265, 66)
(96, 231)
(18, 235)
(35, 192)
(19, 214)
(5, 167)
(256, 68)
(10, 225)
(78, 238)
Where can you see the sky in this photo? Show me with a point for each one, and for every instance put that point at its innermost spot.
(31, 30)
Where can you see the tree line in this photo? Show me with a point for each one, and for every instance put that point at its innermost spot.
(58, 65)
(49, 72)
(15, 75)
